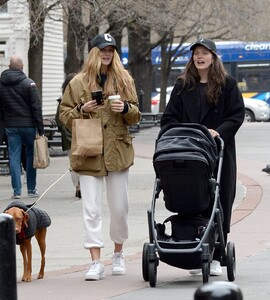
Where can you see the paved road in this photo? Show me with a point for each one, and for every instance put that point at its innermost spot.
(67, 260)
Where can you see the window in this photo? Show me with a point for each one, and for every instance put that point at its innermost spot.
(3, 47)
(254, 77)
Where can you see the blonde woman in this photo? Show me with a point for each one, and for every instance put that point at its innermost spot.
(104, 71)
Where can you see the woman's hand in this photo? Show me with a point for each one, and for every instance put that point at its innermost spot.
(90, 106)
(117, 105)
(213, 133)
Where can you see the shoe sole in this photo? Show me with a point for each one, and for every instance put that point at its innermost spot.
(215, 273)
(94, 278)
(118, 273)
(195, 272)
(211, 273)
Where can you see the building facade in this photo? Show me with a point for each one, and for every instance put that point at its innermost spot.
(14, 39)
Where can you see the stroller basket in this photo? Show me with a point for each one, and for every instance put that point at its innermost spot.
(187, 232)
(185, 260)
(184, 161)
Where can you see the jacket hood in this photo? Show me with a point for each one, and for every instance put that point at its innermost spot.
(12, 77)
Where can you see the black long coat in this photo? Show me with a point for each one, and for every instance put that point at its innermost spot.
(226, 118)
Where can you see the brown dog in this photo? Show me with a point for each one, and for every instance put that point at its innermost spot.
(29, 221)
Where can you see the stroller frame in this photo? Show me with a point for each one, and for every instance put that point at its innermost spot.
(151, 249)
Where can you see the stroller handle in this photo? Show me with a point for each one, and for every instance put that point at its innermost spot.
(221, 146)
(220, 142)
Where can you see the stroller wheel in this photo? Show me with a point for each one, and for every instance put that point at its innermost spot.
(205, 271)
(231, 261)
(152, 269)
(145, 262)
(152, 261)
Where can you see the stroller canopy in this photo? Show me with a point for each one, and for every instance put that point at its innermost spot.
(191, 140)
(184, 161)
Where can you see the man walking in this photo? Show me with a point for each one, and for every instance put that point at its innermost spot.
(22, 116)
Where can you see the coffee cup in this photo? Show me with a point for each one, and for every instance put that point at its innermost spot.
(114, 97)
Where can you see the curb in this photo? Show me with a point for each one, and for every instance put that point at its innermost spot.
(250, 201)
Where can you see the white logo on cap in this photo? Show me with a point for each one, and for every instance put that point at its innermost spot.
(201, 40)
(108, 37)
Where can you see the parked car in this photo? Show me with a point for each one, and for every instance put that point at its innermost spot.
(156, 98)
(256, 110)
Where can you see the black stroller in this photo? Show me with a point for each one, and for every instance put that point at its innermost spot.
(185, 160)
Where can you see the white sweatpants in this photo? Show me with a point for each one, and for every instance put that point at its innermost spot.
(117, 198)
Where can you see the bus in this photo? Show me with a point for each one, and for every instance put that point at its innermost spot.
(248, 62)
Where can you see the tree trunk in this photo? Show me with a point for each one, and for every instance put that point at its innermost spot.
(72, 62)
(2, 2)
(37, 13)
(115, 29)
(92, 28)
(140, 64)
(75, 39)
(35, 58)
(165, 72)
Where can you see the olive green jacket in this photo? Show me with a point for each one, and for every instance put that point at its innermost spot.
(118, 151)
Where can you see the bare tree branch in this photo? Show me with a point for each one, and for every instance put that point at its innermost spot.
(2, 2)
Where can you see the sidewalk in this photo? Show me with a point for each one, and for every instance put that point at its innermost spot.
(67, 261)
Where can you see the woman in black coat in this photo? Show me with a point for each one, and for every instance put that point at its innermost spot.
(205, 94)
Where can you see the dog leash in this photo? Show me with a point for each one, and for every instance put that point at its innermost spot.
(41, 196)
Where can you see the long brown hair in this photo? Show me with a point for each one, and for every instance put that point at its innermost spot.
(215, 82)
(118, 79)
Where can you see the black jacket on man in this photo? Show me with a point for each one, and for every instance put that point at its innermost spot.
(20, 101)
(226, 118)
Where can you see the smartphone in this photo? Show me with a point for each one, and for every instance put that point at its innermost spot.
(98, 96)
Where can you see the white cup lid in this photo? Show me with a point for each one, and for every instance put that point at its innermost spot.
(114, 97)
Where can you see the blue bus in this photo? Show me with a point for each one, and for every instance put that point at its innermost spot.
(248, 62)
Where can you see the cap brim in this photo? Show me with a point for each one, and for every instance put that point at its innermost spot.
(201, 44)
(102, 46)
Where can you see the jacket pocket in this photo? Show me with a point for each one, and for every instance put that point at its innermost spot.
(80, 163)
(125, 138)
(124, 150)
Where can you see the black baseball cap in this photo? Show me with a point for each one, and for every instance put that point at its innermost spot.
(209, 44)
(103, 40)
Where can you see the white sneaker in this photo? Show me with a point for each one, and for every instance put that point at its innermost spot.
(118, 265)
(215, 268)
(96, 271)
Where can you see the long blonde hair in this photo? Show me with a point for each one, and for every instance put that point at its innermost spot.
(118, 79)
